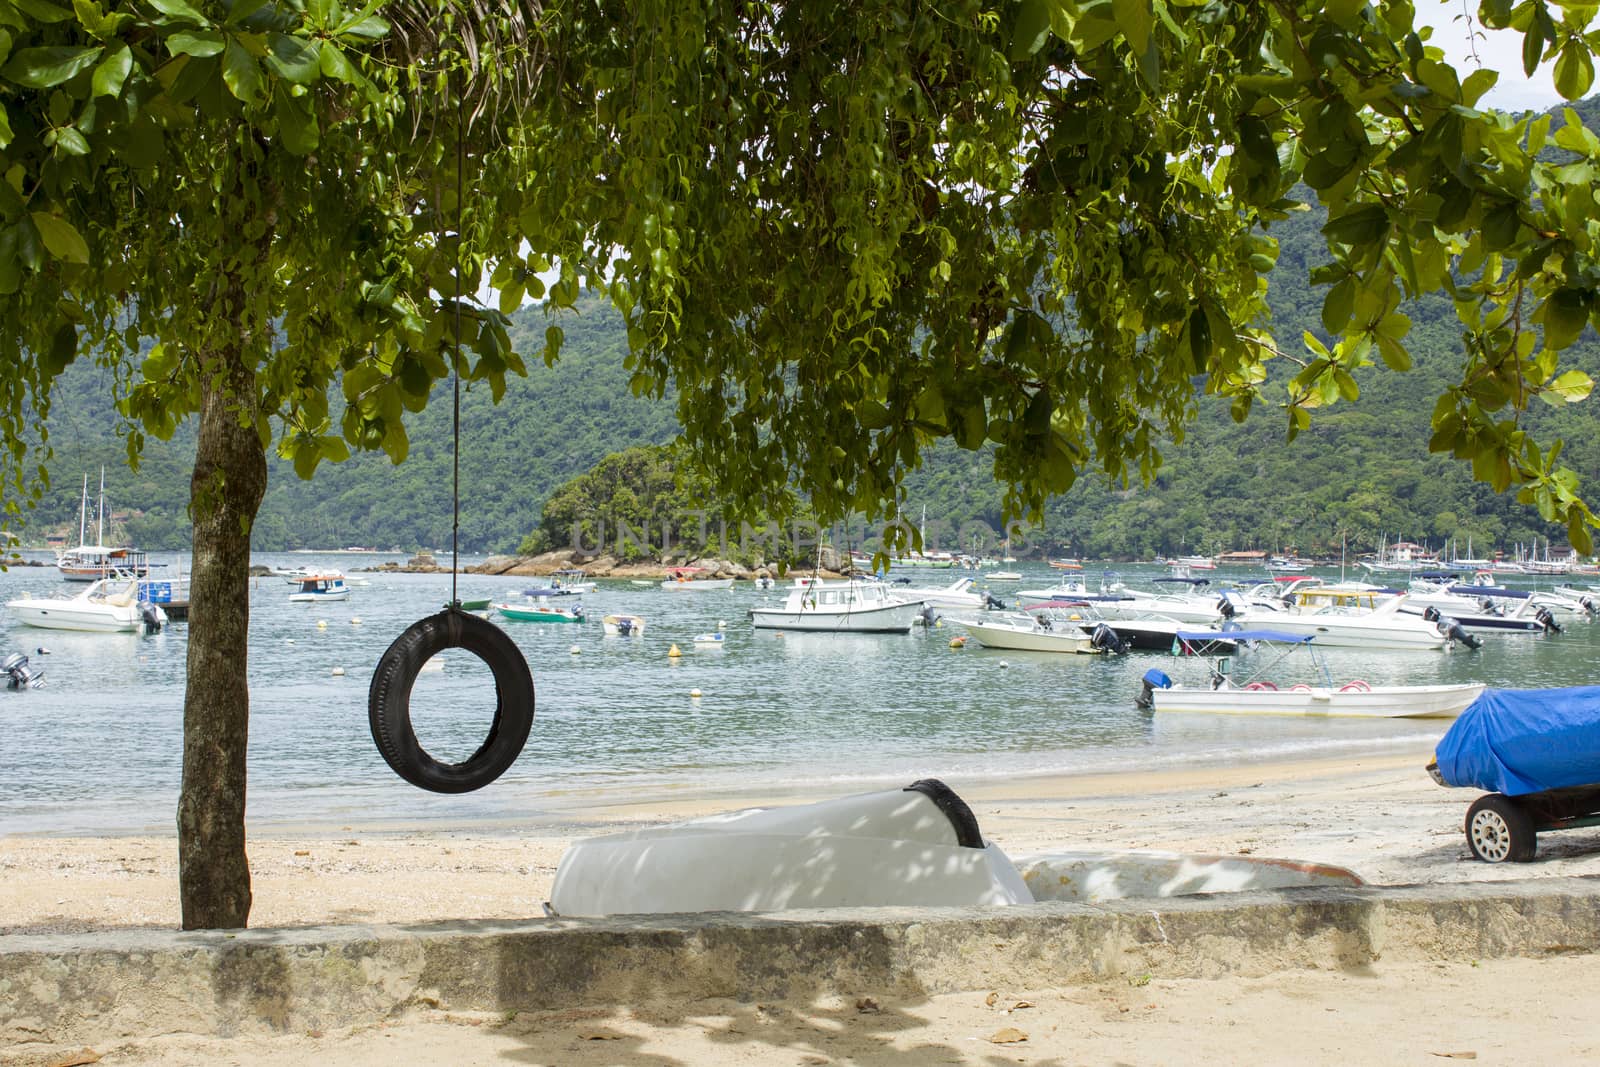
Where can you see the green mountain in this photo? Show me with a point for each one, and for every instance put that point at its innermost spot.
(551, 425)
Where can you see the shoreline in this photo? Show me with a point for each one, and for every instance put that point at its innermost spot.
(1377, 815)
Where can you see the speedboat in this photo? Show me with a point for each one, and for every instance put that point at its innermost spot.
(1254, 693)
(958, 594)
(1382, 627)
(315, 588)
(109, 605)
(1043, 631)
(540, 611)
(684, 580)
(849, 606)
(623, 625)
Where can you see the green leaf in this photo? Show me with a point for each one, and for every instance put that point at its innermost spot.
(180, 11)
(41, 11)
(113, 71)
(62, 351)
(1572, 386)
(241, 73)
(72, 141)
(334, 64)
(1031, 30)
(1134, 19)
(294, 60)
(1338, 305)
(61, 238)
(297, 125)
(40, 68)
(1574, 72)
(5, 127)
(199, 43)
(1566, 313)
(1366, 225)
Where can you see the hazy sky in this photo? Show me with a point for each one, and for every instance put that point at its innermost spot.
(1497, 50)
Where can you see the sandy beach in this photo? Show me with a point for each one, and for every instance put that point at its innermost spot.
(1379, 816)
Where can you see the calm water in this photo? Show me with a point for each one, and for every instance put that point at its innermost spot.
(99, 750)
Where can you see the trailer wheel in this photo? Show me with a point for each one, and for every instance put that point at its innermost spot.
(1499, 830)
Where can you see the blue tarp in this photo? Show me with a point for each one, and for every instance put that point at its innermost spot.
(1520, 741)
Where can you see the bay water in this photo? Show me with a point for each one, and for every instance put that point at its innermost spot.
(98, 751)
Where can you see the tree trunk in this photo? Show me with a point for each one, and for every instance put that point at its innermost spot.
(230, 476)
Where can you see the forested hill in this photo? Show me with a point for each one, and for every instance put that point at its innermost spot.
(551, 425)
(1360, 473)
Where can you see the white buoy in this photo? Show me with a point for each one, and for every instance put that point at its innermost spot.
(322, 624)
(1003, 663)
(288, 640)
(338, 672)
(355, 620)
(695, 693)
(576, 651)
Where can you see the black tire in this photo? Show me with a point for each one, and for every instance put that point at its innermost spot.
(389, 702)
(1498, 830)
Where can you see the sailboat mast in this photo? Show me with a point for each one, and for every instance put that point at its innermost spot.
(100, 512)
(83, 512)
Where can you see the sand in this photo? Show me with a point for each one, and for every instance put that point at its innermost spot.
(1380, 816)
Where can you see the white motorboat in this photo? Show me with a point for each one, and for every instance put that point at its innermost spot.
(315, 588)
(1072, 590)
(620, 625)
(914, 847)
(839, 607)
(1003, 576)
(684, 580)
(1383, 627)
(1240, 693)
(1434, 600)
(110, 605)
(1044, 631)
(958, 594)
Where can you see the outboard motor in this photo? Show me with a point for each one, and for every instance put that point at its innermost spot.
(1108, 640)
(993, 603)
(153, 617)
(19, 675)
(624, 627)
(1154, 679)
(1547, 620)
(1589, 605)
(1454, 631)
(1486, 606)
(1431, 613)
(1226, 608)
(929, 616)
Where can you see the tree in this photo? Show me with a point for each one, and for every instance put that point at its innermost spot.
(840, 231)
(273, 193)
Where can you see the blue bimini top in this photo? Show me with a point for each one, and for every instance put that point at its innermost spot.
(1520, 741)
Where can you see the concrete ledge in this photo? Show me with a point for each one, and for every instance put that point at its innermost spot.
(95, 987)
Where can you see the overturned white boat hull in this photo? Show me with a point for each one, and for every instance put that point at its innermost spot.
(911, 847)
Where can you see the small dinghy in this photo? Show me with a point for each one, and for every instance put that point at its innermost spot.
(623, 625)
(917, 846)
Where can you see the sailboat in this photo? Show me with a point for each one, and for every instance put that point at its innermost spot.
(90, 563)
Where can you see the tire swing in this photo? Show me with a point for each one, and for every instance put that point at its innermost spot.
(389, 702)
(389, 697)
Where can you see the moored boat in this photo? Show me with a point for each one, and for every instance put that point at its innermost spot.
(539, 611)
(1255, 692)
(621, 625)
(106, 606)
(686, 580)
(1041, 632)
(849, 606)
(315, 588)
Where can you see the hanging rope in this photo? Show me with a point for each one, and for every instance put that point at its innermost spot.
(455, 367)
